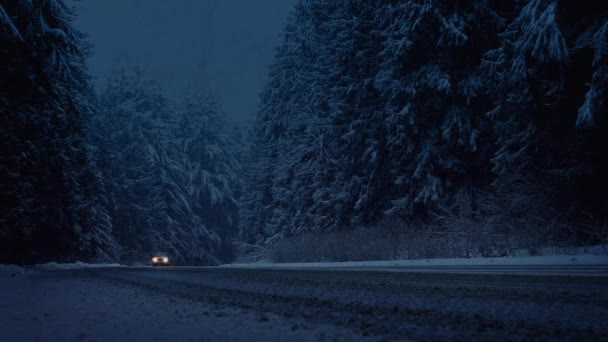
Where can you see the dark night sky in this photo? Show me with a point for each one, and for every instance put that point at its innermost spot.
(224, 44)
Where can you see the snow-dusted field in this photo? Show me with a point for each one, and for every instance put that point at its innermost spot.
(81, 302)
(69, 304)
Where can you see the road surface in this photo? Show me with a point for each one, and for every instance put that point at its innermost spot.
(232, 304)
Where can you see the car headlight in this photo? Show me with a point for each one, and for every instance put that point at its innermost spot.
(165, 260)
(155, 259)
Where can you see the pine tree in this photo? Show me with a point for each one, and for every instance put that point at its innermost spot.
(527, 76)
(212, 167)
(547, 78)
(283, 164)
(51, 210)
(431, 80)
(170, 171)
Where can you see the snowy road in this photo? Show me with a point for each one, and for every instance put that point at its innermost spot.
(235, 304)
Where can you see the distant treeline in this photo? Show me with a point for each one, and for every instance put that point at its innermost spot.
(113, 176)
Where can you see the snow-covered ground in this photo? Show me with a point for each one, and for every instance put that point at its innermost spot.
(69, 266)
(11, 270)
(84, 303)
(67, 302)
(554, 260)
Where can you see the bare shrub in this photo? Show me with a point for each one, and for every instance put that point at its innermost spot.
(357, 245)
(247, 252)
(519, 211)
(514, 218)
(597, 233)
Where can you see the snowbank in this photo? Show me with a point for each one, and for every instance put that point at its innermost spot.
(71, 266)
(529, 260)
(11, 270)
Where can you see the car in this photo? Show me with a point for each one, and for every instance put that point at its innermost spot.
(160, 259)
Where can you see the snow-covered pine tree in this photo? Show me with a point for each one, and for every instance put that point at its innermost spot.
(596, 38)
(209, 151)
(527, 77)
(126, 159)
(355, 115)
(547, 78)
(584, 167)
(378, 108)
(283, 169)
(430, 79)
(346, 78)
(170, 171)
(50, 209)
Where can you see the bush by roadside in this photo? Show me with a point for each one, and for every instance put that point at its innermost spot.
(515, 219)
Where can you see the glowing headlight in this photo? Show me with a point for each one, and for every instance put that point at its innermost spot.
(155, 259)
(165, 260)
